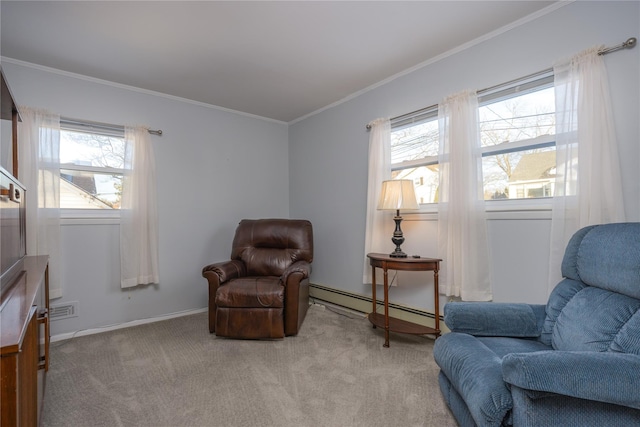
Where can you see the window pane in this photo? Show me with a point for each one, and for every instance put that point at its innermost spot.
(425, 181)
(519, 175)
(89, 190)
(516, 127)
(518, 118)
(88, 149)
(90, 169)
(414, 142)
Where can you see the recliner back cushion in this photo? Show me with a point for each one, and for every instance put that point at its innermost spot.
(595, 319)
(606, 256)
(269, 246)
(570, 260)
(561, 295)
(628, 339)
(597, 306)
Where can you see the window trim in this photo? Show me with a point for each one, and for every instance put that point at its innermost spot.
(425, 161)
(94, 169)
(416, 117)
(87, 126)
(543, 141)
(523, 86)
(93, 216)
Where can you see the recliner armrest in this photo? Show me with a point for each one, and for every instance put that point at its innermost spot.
(301, 267)
(226, 270)
(490, 319)
(591, 375)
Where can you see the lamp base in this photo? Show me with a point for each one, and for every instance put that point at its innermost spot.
(397, 254)
(398, 238)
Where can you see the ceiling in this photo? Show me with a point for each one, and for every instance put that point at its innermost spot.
(278, 60)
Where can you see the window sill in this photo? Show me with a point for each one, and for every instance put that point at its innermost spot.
(89, 217)
(524, 209)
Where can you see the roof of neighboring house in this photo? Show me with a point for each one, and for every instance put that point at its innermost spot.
(534, 166)
(87, 183)
(74, 197)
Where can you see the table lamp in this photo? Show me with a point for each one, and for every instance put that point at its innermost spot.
(397, 194)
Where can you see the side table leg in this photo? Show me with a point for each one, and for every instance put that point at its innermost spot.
(373, 291)
(436, 293)
(386, 308)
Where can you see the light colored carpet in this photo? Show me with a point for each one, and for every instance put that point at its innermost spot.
(174, 373)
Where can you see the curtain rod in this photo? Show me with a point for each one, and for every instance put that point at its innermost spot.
(101, 126)
(629, 44)
(480, 92)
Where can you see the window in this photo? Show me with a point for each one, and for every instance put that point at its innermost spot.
(517, 134)
(91, 166)
(414, 153)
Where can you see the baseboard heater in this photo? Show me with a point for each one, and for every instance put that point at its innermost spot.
(363, 304)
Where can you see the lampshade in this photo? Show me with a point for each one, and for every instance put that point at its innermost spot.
(397, 194)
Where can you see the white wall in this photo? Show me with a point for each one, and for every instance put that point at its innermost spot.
(213, 168)
(328, 151)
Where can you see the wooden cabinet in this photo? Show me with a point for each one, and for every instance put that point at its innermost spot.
(24, 297)
(24, 338)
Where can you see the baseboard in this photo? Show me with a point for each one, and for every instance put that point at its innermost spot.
(363, 304)
(336, 297)
(69, 335)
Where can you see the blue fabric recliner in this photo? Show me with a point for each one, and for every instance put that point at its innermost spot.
(573, 362)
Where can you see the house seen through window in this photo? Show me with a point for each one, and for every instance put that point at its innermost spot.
(517, 134)
(91, 167)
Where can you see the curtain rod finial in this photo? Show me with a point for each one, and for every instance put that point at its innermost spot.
(631, 42)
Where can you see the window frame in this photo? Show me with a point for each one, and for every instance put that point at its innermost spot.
(514, 88)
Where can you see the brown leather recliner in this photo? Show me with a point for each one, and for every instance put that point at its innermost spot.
(263, 291)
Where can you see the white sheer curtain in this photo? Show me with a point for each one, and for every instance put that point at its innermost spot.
(39, 172)
(588, 183)
(379, 170)
(138, 216)
(462, 233)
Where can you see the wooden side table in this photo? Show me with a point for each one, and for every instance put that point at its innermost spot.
(385, 262)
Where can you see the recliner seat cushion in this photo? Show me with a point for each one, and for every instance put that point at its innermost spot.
(473, 368)
(251, 292)
(502, 346)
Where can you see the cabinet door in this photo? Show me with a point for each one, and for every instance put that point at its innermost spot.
(20, 380)
(28, 374)
(9, 389)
